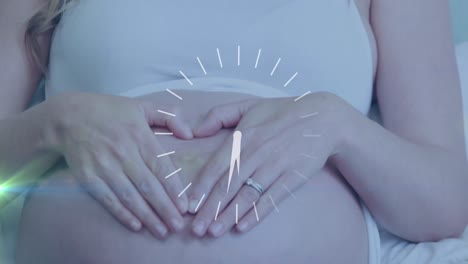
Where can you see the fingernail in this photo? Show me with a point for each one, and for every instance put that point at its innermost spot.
(161, 230)
(193, 205)
(136, 226)
(199, 227)
(216, 229)
(178, 224)
(242, 226)
(182, 206)
(188, 132)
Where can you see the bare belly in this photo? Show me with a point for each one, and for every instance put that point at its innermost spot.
(324, 224)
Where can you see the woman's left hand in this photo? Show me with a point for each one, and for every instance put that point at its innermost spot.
(284, 141)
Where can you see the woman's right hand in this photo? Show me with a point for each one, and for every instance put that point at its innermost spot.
(110, 148)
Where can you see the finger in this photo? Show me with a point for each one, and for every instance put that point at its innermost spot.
(222, 116)
(218, 164)
(169, 118)
(153, 192)
(120, 184)
(160, 163)
(106, 197)
(244, 199)
(273, 163)
(209, 212)
(281, 189)
(212, 171)
(84, 169)
(216, 168)
(218, 196)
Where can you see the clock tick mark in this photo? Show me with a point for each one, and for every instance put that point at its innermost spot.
(292, 194)
(274, 204)
(309, 115)
(256, 213)
(199, 203)
(276, 66)
(163, 133)
(238, 55)
(217, 211)
(302, 96)
(174, 94)
(301, 175)
(201, 65)
(290, 79)
(312, 135)
(185, 189)
(165, 154)
(219, 58)
(172, 174)
(258, 58)
(166, 113)
(186, 78)
(308, 156)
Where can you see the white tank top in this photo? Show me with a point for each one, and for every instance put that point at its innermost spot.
(116, 46)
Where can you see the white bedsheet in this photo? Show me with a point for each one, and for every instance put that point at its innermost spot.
(397, 251)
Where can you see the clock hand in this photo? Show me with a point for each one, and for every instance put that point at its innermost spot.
(235, 155)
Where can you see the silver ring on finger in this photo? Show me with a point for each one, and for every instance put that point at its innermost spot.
(255, 185)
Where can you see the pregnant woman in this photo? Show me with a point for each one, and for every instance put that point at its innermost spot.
(230, 131)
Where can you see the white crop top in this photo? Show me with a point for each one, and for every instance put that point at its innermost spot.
(114, 46)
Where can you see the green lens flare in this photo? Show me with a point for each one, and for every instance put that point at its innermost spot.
(19, 181)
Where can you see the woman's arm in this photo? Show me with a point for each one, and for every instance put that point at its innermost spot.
(20, 134)
(24, 155)
(412, 175)
(115, 160)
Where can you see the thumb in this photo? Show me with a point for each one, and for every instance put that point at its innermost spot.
(223, 116)
(166, 118)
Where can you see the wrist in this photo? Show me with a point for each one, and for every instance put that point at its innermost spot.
(53, 124)
(349, 131)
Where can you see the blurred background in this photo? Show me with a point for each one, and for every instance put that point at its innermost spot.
(460, 19)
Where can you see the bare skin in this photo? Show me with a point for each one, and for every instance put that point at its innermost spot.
(75, 229)
(326, 215)
(329, 186)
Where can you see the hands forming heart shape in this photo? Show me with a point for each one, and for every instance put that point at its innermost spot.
(280, 142)
(284, 142)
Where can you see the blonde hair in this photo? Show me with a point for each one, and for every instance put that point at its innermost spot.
(44, 20)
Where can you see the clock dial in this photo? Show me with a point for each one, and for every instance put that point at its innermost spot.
(237, 135)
